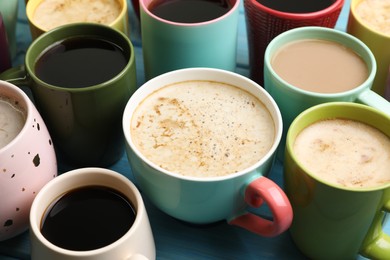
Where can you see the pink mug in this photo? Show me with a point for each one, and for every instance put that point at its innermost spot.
(27, 159)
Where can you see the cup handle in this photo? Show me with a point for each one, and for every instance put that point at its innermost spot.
(17, 76)
(264, 190)
(374, 100)
(377, 243)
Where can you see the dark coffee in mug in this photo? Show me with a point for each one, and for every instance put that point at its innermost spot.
(297, 6)
(80, 62)
(190, 11)
(87, 218)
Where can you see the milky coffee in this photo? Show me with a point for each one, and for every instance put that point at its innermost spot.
(345, 152)
(320, 66)
(202, 128)
(50, 14)
(12, 120)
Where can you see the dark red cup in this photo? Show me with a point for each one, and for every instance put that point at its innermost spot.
(264, 23)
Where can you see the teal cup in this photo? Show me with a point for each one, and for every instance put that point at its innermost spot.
(292, 100)
(332, 220)
(201, 199)
(169, 45)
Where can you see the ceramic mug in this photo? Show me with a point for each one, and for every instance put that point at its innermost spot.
(136, 243)
(333, 221)
(264, 23)
(85, 122)
(169, 45)
(203, 200)
(377, 41)
(27, 161)
(120, 23)
(9, 12)
(293, 100)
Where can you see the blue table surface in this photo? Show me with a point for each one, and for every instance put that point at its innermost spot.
(175, 239)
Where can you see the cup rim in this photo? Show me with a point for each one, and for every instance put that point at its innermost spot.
(311, 32)
(155, 17)
(27, 106)
(337, 4)
(363, 23)
(321, 107)
(76, 174)
(196, 74)
(88, 27)
(30, 11)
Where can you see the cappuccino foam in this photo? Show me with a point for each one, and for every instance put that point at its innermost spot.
(345, 152)
(50, 14)
(12, 119)
(202, 128)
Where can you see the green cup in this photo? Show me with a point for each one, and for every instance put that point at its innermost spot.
(85, 122)
(292, 100)
(332, 221)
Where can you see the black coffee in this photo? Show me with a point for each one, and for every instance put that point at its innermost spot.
(297, 6)
(87, 218)
(189, 11)
(80, 62)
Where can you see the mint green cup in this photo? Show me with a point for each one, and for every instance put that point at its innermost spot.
(84, 122)
(293, 100)
(203, 200)
(331, 221)
(171, 45)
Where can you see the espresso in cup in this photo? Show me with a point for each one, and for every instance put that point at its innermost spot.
(88, 218)
(376, 13)
(193, 11)
(53, 13)
(297, 6)
(345, 153)
(80, 62)
(320, 66)
(12, 120)
(202, 128)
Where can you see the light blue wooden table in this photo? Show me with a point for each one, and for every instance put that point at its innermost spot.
(175, 239)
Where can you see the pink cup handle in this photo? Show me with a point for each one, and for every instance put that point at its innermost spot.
(258, 191)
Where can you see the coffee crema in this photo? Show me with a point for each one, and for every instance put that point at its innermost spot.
(12, 120)
(344, 152)
(202, 128)
(320, 66)
(376, 13)
(50, 14)
(189, 11)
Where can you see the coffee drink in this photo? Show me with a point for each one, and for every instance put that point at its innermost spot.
(190, 11)
(320, 66)
(12, 120)
(202, 128)
(376, 13)
(80, 62)
(297, 6)
(345, 153)
(50, 14)
(88, 218)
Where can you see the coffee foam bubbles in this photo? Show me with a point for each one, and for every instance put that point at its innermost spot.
(202, 128)
(345, 152)
(12, 120)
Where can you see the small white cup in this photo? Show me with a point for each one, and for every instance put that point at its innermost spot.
(137, 243)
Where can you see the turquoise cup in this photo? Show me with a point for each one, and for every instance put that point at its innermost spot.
(203, 200)
(171, 45)
(292, 100)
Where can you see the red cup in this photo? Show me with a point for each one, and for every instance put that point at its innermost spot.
(264, 23)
